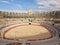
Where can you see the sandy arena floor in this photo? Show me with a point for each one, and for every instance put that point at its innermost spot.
(28, 32)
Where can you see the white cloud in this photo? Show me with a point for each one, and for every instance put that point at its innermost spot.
(4, 1)
(18, 6)
(18, 11)
(47, 3)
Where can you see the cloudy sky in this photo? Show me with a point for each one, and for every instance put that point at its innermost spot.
(25, 5)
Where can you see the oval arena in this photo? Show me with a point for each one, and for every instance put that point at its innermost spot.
(28, 29)
(28, 32)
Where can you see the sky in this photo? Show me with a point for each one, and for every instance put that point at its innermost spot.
(25, 5)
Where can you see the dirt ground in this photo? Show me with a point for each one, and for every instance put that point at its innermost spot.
(28, 32)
